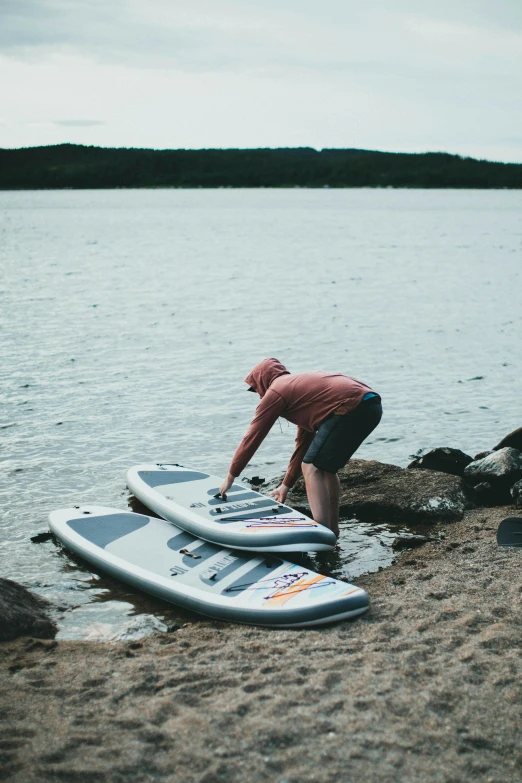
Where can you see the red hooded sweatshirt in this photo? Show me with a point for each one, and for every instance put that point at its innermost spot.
(305, 399)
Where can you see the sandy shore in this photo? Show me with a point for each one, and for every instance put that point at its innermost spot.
(425, 687)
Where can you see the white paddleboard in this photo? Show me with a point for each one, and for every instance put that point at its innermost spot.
(245, 520)
(156, 556)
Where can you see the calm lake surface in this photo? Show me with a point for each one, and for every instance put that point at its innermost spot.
(129, 319)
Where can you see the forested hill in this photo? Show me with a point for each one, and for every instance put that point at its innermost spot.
(75, 166)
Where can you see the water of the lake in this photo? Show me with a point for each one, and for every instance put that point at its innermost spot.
(130, 318)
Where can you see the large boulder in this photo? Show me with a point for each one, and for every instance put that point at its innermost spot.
(503, 466)
(445, 460)
(375, 491)
(513, 441)
(22, 613)
(500, 470)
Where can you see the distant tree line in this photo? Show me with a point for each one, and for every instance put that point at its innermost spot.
(76, 166)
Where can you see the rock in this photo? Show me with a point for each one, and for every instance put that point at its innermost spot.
(445, 460)
(494, 475)
(137, 628)
(503, 467)
(410, 542)
(375, 491)
(483, 489)
(516, 494)
(513, 440)
(41, 538)
(22, 613)
(255, 481)
(488, 494)
(482, 454)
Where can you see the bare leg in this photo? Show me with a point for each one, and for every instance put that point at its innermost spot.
(334, 490)
(317, 493)
(322, 489)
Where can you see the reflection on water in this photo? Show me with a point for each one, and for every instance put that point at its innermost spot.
(128, 320)
(362, 548)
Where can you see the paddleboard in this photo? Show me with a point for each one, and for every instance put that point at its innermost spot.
(156, 556)
(245, 520)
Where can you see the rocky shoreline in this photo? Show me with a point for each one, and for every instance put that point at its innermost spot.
(23, 614)
(438, 485)
(425, 686)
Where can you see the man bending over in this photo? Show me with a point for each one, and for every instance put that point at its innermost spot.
(334, 415)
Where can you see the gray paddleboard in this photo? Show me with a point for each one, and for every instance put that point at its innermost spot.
(156, 556)
(245, 520)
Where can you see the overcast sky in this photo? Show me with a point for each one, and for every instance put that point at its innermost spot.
(400, 75)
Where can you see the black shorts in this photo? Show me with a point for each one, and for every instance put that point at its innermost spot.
(339, 437)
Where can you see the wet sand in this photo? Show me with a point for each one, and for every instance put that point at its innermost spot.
(425, 687)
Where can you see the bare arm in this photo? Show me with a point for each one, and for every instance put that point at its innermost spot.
(268, 411)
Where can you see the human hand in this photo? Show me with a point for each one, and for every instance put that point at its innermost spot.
(226, 486)
(280, 493)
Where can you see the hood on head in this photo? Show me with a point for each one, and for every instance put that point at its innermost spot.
(264, 374)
